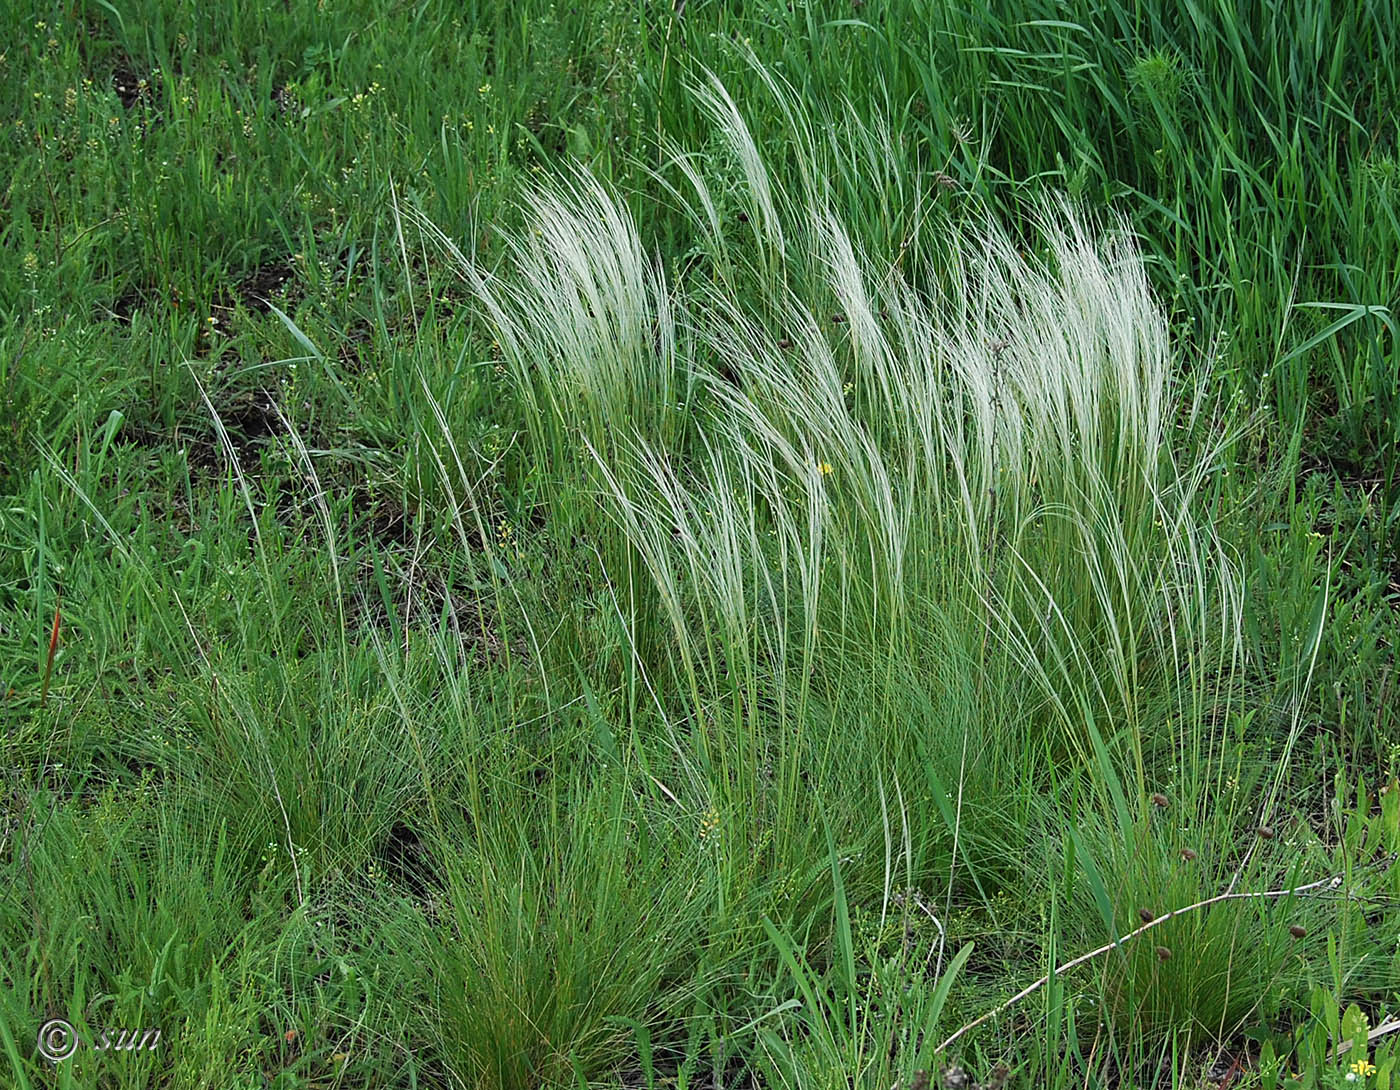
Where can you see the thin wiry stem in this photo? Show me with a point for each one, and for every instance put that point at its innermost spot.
(1332, 883)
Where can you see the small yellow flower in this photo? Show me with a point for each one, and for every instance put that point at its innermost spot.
(1363, 1068)
(826, 469)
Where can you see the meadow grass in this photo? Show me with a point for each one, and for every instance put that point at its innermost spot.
(598, 544)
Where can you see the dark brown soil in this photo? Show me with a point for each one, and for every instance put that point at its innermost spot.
(261, 287)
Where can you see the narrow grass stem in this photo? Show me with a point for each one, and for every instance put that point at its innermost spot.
(1031, 989)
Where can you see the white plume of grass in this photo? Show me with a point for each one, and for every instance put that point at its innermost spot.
(855, 452)
(584, 322)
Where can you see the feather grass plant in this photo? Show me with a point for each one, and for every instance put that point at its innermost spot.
(999, 442)
(834, 471)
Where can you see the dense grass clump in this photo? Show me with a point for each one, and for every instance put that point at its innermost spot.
(989, 484)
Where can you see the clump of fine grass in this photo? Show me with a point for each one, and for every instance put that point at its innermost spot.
(994, 445)
(982, 470)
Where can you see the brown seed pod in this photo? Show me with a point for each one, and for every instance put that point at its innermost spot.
(1159, 799)
(1188, 854)
(1145, 915)
(1163, 953)
(1266, 832)
(1298, 931)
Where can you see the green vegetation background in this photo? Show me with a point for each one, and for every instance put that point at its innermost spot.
(294, 788)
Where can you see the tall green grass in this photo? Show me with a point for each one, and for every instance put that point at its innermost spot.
(1001, 484)
(1006, 451)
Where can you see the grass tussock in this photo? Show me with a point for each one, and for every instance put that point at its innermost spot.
(998, 444)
